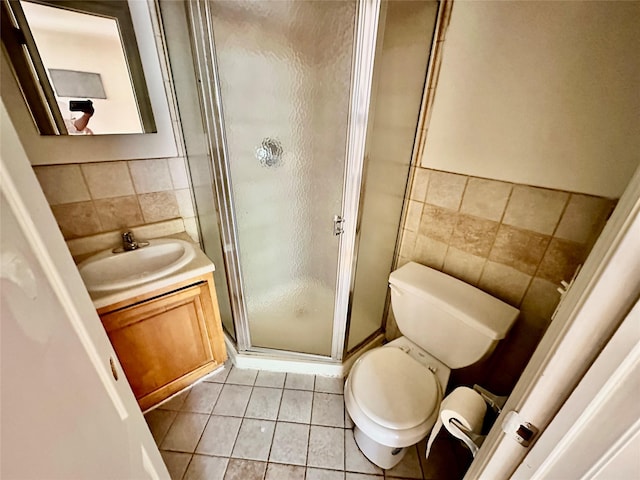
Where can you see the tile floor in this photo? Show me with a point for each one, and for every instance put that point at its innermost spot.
(249, 424)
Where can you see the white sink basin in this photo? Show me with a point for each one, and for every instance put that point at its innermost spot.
(111, 271)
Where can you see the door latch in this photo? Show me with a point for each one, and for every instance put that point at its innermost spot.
(520, 430)
(338, 223)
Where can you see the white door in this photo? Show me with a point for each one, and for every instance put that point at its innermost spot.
(596, 434)
(63, 415)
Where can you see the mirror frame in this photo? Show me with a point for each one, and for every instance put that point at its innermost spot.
(66, 149)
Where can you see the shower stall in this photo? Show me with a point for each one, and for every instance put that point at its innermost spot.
(299, 120)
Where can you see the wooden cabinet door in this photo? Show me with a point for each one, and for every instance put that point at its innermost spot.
(166, 343)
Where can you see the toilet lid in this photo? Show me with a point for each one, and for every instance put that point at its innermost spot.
(393, 389)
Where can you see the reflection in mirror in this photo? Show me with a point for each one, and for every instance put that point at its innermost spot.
(79, 60)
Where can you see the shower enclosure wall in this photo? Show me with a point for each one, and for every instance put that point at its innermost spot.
(299, 120)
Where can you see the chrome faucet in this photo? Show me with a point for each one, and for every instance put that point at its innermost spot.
(128, 242)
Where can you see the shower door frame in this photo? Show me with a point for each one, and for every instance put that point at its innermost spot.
(363, 57)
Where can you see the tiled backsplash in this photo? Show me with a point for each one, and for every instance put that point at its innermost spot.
(513, 241)
(92, 198)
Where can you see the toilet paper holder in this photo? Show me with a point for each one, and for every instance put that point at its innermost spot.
(471, 439)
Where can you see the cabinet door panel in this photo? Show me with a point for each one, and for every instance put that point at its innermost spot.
(161, 340)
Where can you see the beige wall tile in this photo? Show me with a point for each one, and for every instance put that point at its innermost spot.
(485, 198)
(391, 327)
(520, 249)
(420, 183)
(561, 260)
(108, 179)
(62, 184)
(463, 265)
(158, 206)
(540, 301)
(403, 261)
(445, 189)
(414, 214)
(505, 283)
(437, 223)
(77, 219)
(151, 175)
(408, 243)
(119, 213)
(429, 252)
(584, 218)
(536, 209)
(178, 172)
(185, 203)
(474, 235)
(191, 227)
(512, 355)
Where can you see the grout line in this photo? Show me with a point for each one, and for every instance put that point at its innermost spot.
(187, 467)
(504, 211)
(169, 428)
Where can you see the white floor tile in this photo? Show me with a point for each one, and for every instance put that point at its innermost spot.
(284, 472)
(328, 410)
(296, 406)
(233, 400)
(254, 440)
(326, 448)
(290, 443)
(185, 432)
(242, 376)
(202, 398)
(219, 436)
(203, 467)
(329, 384)
(270, 379)
(264, 403)
(299, 381)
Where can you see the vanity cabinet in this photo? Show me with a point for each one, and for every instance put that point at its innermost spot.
(168, 338)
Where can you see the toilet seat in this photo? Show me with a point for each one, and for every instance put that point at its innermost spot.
(393, 389)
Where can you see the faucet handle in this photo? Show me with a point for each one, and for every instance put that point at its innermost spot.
(127, 236)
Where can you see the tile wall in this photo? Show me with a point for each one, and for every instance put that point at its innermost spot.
(92, 198)
(513, 241)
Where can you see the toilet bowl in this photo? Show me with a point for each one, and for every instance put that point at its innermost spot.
(393, 393)
(393, 411)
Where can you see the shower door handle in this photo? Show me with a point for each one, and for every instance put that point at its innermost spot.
(338, 222)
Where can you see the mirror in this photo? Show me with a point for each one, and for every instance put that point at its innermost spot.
(78, 66)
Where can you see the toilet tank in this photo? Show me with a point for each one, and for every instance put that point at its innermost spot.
(452, 320)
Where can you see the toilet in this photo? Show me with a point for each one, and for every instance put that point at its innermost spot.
(393, 392)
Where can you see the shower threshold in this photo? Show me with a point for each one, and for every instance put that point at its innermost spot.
(291, 362)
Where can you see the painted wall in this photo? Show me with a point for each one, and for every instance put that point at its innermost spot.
(540, 93)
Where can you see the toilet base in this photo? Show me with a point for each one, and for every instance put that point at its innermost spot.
(381, 455)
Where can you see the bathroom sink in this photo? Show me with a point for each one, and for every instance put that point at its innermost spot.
(110, 271)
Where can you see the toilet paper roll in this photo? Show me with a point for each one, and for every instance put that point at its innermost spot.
(466, 406)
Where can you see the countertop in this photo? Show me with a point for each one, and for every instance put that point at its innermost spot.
(199, 265)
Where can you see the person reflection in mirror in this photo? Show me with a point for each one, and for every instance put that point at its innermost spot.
(78, 126)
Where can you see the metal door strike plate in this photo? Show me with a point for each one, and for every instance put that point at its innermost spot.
(517, 428)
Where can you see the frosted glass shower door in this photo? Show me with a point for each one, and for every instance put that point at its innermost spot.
(284, 69)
